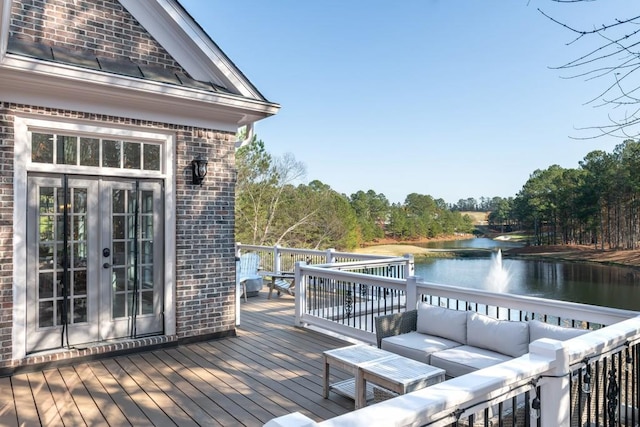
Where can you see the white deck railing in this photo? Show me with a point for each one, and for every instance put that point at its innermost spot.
(328, 293)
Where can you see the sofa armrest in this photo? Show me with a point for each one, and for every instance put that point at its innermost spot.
(395, 324)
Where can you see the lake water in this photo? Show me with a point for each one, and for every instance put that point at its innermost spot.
(587, 283)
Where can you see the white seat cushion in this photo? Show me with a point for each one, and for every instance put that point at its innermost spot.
(416, 346)
(465, 359)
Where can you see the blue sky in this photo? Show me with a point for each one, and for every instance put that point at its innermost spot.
(451, 98)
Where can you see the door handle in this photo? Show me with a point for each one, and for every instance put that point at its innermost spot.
(106, 265)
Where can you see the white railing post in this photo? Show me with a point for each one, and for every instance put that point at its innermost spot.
(412, 292)
(555, 397)
(238, 288)
(409, 267)
(276, 258)
(301, 292)
(238, 250)
(330, 256)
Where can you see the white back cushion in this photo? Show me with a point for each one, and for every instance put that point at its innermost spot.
(538, 329)
(442, 322)
(503, 336)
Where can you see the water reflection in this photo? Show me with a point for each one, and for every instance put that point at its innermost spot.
(595, 284)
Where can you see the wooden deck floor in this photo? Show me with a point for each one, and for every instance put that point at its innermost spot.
(270, 369)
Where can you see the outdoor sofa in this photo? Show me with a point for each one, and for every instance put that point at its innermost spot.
(459, 341)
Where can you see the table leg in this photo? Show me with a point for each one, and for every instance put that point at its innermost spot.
(361, 390)
(325, 374)
(271, 286)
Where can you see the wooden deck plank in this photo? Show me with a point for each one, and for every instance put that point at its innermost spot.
(299, 366)
(197, 404)
(156, 393)
(75, 384)
(270, 369)
(235, 401)
(298, 398)
(102, 399)
(123, 401)
(67, 407)
(152, 411)
(8, 414)
(48, 412)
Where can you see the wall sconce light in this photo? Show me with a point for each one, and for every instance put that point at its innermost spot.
(199, 170)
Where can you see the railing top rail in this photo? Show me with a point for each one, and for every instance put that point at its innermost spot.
(562, 309)
(242, 246)
(364, 263)
(350, 275)
(315, 252)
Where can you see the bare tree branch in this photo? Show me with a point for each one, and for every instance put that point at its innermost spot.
(617, 57)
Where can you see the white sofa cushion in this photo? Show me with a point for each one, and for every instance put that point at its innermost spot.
(442, 322)
(538, 329)
(416, 346)
(465, 359)
(503, 336)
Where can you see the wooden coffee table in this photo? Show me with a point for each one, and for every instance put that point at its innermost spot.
(350, 359)
(398, 374)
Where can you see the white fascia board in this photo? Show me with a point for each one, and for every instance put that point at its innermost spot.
(189, 45)
(5, 24)
(31, 81)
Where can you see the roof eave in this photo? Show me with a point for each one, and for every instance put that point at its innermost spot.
(172, 26)
(32, 81)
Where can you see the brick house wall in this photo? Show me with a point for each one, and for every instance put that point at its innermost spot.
(102, 27)
(204, 282)
(6, 231)
(205, 258)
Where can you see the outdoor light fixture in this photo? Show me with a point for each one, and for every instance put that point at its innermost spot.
(586, 380)
(199, 169)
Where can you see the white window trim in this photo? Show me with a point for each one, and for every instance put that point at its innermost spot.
(23, 165)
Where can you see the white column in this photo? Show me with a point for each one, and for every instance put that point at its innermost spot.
(330, 258)
(555, 397)
(276, 258)
(301, 292)
(412, 292)
(409, 267)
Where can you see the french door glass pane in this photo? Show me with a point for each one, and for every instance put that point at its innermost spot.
(53, 257)
(132, 252)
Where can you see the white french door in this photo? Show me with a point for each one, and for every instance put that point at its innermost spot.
(94, 260)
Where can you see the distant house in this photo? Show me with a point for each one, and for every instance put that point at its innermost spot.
(106, 241)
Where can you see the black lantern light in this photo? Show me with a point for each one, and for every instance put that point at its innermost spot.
(199, 169)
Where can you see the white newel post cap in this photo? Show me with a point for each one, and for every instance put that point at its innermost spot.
(295, 419)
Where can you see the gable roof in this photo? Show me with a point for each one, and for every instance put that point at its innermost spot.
(212, 93)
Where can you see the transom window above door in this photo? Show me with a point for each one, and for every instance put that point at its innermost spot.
(73, 150)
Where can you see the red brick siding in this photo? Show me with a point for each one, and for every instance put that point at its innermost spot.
(205, 257)
(103, 27)
(6, 232)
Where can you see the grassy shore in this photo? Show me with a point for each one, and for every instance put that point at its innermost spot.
(572, 253)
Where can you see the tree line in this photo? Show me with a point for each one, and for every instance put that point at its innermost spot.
(597, 203)
(273, 207)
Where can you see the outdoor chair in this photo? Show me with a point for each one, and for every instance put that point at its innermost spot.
(247, 270)
(286, 286)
